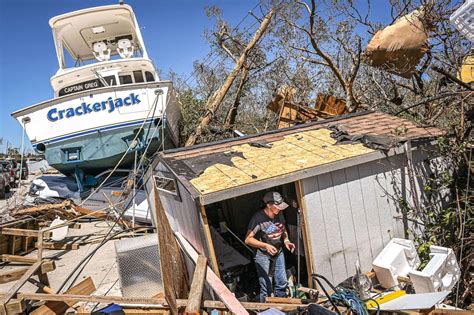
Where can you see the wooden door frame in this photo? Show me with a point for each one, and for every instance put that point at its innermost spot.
(208, 239)
(308, 252)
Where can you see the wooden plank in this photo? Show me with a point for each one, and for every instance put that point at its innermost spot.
(308, 248)
(18, 259)
(14, 289)
(280, 300)
(85, 287)
(255, 306)
(64, 204)
(15, 306)
(15, 274)
(40, 245)
(195, 294)
(59, 246)
(214, 282)
(210, 244)
(12, 275)
(173, 268)
(75, 298)
(20, 232)
(96, 214)
(151, 302)
(48, 266)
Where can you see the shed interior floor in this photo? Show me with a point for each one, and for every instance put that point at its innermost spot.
(228, 221)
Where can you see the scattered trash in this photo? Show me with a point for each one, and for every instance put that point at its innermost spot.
(397, 258)
(440, 274)
(399, 47)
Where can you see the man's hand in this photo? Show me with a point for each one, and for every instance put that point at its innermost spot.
(290, 246)
(271, 249)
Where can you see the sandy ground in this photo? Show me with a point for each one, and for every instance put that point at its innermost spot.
(102, 267)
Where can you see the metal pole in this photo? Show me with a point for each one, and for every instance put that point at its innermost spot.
(134, 187)
(24, 121)
(298, 224)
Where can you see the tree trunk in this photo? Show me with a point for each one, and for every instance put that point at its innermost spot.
(216, 99)
(232, 113)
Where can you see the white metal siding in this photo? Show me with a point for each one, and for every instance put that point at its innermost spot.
(182, 215)
(354, 212)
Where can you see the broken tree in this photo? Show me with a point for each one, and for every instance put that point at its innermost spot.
(216, 99)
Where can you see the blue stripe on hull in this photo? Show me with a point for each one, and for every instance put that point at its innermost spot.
(83, 133)
(99, 151)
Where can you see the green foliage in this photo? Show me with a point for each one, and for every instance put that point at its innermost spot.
(192, 109)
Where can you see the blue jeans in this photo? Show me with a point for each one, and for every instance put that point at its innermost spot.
(262, 262)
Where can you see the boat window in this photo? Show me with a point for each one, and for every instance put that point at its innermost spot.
(125, 79)
(138, 76)
(149, 76)
(72, 154)
(165, 182)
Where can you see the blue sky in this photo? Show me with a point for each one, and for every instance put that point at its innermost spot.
(172, 30)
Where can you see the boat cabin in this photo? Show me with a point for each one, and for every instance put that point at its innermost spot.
(99, 47)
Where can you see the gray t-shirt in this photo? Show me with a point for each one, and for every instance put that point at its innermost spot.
(268, 230)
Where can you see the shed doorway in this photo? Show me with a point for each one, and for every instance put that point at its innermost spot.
(228, 222)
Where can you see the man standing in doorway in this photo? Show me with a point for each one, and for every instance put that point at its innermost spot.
(267, 233)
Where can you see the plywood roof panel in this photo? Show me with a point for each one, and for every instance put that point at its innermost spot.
(233, 163)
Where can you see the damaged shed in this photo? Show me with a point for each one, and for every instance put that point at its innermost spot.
(348, 189)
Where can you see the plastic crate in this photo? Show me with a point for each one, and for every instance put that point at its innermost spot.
(463, 19)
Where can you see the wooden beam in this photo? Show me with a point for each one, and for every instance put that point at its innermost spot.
(282, 300)
(14, 289)
(173, 268)
(21, 232)
(195, 294)
(12, 275)
(48, 266)
(64, 204)
(17, 273)
(59, 245)
(210, 244)
(150, 302)
(18, 259)
(75, 298)
(85, 287)
(214, 282)
(15, 306)
(308, 249)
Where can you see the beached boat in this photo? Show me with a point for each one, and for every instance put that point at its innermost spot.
(106, 94)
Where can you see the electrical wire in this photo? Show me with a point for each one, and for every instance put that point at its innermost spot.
(155, 102)
(350, 299)
(192, 75)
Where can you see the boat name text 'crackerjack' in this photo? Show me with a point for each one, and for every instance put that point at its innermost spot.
(54, 114)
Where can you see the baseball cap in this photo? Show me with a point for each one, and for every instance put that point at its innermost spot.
(275, 198)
